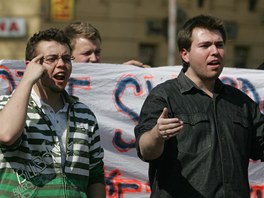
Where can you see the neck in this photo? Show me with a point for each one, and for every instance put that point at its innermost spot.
(207, 85)
(54, 99)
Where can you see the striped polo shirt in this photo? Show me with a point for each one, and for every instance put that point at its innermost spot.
(32, 167)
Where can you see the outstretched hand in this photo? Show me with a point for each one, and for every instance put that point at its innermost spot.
(168, 127)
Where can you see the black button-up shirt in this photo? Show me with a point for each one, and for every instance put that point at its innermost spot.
(210, 156)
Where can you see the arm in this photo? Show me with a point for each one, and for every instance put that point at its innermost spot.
(96, 190)
(257, 142)
(136, 63)
(16, 107)
(96, 187)
(151, 143)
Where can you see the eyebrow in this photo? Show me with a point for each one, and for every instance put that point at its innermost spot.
(210, 42)
(58, 55)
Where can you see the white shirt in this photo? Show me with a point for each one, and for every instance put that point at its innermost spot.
(58, 120)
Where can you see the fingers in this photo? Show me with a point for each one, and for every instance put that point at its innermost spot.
(136, 63)
(168, 127)
(165, 135)
(146, 66)
(34, 69)
(37, 58)
(171, 132)
(164, 113)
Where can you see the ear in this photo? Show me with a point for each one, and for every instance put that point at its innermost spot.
(184, 55)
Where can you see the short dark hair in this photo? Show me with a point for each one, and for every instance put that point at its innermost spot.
(184, 37)
(51, 34)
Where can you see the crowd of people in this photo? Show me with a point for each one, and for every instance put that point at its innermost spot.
(196, 133)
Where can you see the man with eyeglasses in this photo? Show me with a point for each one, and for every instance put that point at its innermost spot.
(49, 141)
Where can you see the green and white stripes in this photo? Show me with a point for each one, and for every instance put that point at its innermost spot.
(32, 167)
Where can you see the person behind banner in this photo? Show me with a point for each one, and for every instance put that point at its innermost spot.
(49, 141)
(196, 133)
(86, 44)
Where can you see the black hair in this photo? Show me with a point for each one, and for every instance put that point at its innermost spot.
(51, 34)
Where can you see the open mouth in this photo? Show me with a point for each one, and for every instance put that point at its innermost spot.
(214, 62)
(59, 76)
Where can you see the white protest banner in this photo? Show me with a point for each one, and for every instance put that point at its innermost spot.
(115, 93)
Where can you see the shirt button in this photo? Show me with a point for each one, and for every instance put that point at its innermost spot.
(57, 121)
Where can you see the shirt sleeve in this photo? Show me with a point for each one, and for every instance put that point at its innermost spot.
(150, 112)
(257, 144)
(96, 158)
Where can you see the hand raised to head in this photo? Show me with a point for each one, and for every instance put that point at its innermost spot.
(34, 69)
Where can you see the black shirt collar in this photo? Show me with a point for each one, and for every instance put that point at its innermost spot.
(186, 84)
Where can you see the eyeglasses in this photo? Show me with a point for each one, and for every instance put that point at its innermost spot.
(53, 59)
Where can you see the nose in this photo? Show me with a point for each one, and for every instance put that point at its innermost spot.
(93, 58)
(214, 49)
(60, 61)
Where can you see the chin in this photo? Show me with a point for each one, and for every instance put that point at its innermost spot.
(57, 89)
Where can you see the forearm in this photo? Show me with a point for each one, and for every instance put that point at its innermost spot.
(151, 144)
(13, 115)
(96, 190)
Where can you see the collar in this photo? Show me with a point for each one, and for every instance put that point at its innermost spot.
(67, 99)
(186, 84)
(36, 98)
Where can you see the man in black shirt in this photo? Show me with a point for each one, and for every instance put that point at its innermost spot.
(196, 132)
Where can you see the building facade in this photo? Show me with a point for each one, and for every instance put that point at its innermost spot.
(134, 29)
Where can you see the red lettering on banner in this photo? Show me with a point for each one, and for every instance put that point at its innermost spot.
(13, 27)
(116, 186)
(253, 161)
(120, 144)
(82, 83)
(6, 74)
(147, 187)
(2, 26)
(256, 191)
(19, 73)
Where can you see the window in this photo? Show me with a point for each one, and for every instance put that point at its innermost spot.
(147, 54)
(252, 5)
(200, 3)
(241, 56)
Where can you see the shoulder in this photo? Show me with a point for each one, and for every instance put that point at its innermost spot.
(232, 90)
(77, 105)
(82, 111)
(164, 86)
(81, 107)
(236, 93)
